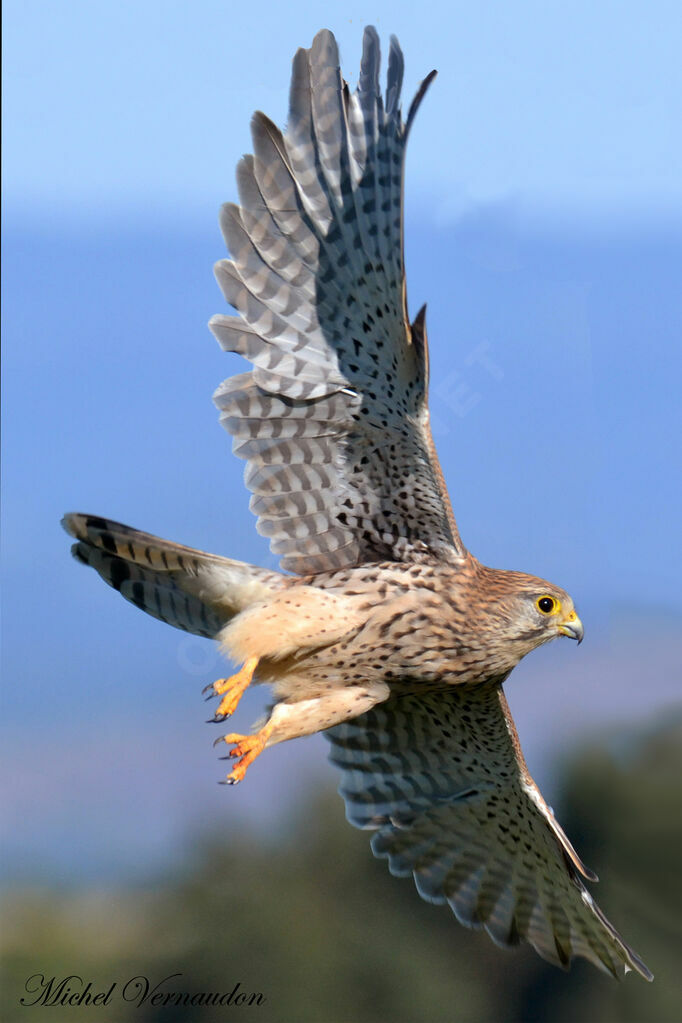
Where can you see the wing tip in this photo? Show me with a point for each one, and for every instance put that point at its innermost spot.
(419, 96)
(640, 967)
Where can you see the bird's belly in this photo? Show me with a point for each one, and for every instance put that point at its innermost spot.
(398, 645)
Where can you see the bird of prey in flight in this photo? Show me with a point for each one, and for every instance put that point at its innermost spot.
(382, 630)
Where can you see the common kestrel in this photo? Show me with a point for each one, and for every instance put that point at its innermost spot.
(389, 635)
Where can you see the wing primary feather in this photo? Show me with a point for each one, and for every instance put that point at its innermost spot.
(416, 102)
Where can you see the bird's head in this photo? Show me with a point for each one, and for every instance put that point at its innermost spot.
(523, 612)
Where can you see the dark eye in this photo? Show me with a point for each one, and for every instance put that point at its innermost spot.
(546, 604)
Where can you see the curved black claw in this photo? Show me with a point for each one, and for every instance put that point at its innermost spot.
(215, 720)
(211, 686)
(221, 738)
(229, 781)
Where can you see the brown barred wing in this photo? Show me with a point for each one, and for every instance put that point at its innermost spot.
(442, 780)
(333, 418)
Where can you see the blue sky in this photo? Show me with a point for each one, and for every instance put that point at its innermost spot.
(133, 103)
(544, 228)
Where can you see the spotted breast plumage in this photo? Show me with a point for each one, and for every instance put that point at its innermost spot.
(386, 633)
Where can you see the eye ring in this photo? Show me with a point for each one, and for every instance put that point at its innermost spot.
(547, 605)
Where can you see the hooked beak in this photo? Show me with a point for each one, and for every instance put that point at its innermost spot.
(572, 627)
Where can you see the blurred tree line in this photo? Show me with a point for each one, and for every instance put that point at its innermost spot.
(319, 928)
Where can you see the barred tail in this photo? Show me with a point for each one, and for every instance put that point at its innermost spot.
(181, 586)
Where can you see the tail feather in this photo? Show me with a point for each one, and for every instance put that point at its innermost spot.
(179, 585)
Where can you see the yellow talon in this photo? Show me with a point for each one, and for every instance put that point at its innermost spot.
(245, 750)
(234, 688)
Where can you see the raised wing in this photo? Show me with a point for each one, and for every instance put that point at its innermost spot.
(333, 419)
(442, 780)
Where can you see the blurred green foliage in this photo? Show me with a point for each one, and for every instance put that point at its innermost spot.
(318, 926)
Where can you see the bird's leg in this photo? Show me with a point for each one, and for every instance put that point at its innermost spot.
(232, 689)
(301, 717)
